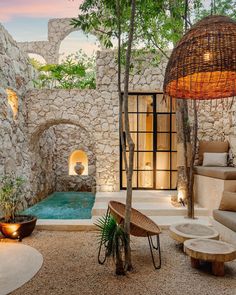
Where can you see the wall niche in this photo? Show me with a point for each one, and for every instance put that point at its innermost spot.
(78, 163)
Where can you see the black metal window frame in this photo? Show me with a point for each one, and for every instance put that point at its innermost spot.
(154, 133)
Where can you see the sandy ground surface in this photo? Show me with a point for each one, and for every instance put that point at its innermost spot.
(70, 267)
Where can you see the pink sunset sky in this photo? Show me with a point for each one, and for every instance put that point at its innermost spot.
(10, 9)
(26, 20)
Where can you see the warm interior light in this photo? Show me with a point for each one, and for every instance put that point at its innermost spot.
(203, 85)
(207, 56)
(78, 156)
(180, 195)
(13, 101)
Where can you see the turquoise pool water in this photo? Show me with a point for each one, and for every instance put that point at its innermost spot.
(64, 205)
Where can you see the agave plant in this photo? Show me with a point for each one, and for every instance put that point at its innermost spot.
(112, 236)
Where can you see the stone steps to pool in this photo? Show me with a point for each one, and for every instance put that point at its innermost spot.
(151, 209)
(150, 203)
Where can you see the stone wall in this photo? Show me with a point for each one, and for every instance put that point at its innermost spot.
(42, 166)
(216, 122)
(15, 74)
(95, 113)
(70, 138)
(144, 76)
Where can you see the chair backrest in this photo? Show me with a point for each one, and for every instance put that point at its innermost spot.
(140, 224)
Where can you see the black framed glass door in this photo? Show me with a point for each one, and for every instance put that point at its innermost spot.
(153, 130)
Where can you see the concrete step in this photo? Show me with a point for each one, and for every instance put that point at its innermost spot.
(165, 221)
(66, 224)
(88, 224)
(138, 196)
(151, 209)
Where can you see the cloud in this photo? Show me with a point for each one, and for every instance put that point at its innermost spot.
(38, 8)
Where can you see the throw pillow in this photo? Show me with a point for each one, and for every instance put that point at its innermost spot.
(228, 201)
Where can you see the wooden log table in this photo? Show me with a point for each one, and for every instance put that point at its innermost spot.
(217, 252)
(185, 231)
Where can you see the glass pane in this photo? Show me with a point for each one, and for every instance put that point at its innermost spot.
(145, 161)
(162, 106)
(132, 122)
(163, 123)
(163, 141)
(162, 180)
(173, 123)
(145, 122)
(132, 103)
(174, 161)
(145, 141)
(135, 160)
(163, 161)
(145, 103)
(145, 179)
(173, 180)
(134, 137)
(173, 105)
(134, 180)
(173, 142)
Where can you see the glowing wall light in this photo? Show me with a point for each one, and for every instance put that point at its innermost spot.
(13, 101)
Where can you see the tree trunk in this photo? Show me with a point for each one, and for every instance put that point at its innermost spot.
(191, 169)
(182, 179)
(118, 258)
(184, 140)
(119, 263)
(129, 172)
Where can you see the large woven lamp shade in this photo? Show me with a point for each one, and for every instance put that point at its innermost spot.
(203, 64)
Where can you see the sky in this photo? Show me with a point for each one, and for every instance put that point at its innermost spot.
(26, 20)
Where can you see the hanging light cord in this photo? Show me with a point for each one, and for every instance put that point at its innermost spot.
(213, 7)
(186, 16)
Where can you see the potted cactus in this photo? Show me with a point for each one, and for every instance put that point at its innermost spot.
(13, 225)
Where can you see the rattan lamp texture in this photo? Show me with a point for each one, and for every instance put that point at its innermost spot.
(202, 66)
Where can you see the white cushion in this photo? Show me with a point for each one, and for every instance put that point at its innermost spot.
(215, 159)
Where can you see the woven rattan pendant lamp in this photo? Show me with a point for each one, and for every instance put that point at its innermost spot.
(203, 64)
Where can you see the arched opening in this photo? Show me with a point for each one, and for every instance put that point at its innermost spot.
(37, 59)
(51, 147)
(77, 41)
(78, 163)
(13, 101)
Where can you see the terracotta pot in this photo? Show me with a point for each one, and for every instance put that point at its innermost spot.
(79, 168)
(20, 229)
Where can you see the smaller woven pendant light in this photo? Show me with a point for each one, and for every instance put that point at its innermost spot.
(203, 64)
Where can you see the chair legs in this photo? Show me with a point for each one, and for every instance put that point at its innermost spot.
(157, 248)
(151, 245)
(102, 260)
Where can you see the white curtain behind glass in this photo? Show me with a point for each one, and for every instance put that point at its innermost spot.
(143, 107)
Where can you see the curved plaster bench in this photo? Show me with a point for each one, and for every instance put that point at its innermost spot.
(209, 184)
(19, 263)
(225, 223)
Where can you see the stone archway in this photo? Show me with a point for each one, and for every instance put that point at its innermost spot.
(58, 29)
(50, 147)
(93, 111)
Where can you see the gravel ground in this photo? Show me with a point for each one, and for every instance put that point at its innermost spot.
(70, 267)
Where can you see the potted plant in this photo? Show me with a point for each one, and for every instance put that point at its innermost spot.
(12, 225)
